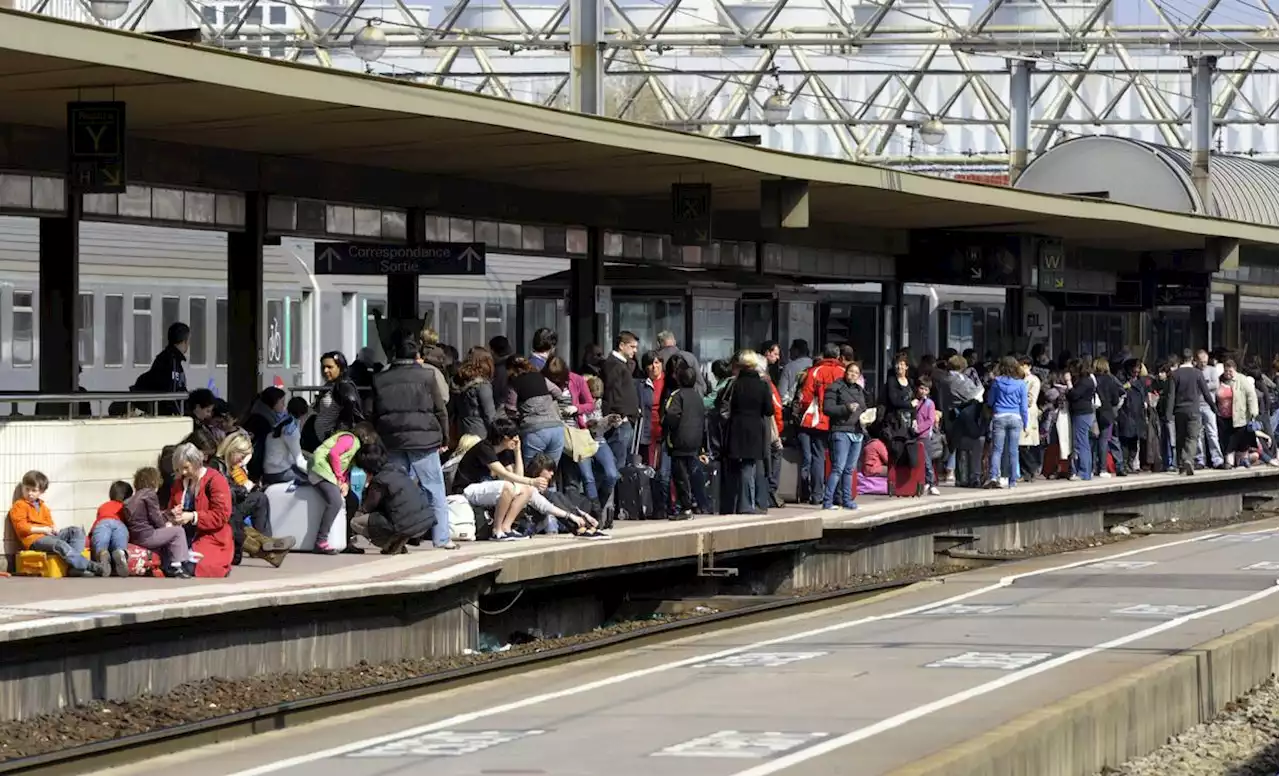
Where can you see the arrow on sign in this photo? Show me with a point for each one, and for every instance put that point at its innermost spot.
(1059, 283)
(112, 175)
(469, 255)
(328, 256)
(975, 273)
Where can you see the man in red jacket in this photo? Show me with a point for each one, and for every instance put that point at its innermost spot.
(814, 423)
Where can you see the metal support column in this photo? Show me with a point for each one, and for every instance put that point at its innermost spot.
(1014, 336)
(1202, 68)
(1201, 325)
(244, 302)
(585, 276)
(402, 288)
(59, 352)
(1019, 116)
(1231, 319)
(586, 86)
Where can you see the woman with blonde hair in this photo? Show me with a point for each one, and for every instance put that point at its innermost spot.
(248, 501)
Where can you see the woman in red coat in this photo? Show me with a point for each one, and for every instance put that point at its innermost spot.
(201, 497)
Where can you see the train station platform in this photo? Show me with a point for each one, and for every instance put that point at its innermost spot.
(118, 638)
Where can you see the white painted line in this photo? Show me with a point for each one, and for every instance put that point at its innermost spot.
(446, 743)
(1266, 565)
(467, 718)
(911, 715)
(966, 610)
(1157, 610)
(999, 661)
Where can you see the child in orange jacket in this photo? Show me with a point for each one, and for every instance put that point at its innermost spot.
(33, 523)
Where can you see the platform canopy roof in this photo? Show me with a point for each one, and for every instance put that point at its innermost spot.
(200, 96)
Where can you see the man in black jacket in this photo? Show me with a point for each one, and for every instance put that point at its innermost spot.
(166, 374)
(620, 396)
(412, 426)
(1189, 389)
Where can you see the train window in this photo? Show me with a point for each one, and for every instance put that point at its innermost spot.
(275, 332)
(198, 320)
(24, 321)
(170, 313)
(471, 332)
(448, 328)
(492, 322)
(220, 333)
(509, 331)
(85, 330)
(113, 337)
(427, 312)
(142, 331)
(293, 325)
(374, 309)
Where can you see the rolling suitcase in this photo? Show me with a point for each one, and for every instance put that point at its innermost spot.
(906, 480)
(633, 495)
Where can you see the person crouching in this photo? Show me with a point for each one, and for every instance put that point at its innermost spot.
(393, 510)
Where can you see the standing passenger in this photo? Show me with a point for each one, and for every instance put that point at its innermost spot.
(412, 423)
(621, 402)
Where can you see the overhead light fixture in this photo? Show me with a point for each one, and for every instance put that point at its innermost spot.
(932, 132)
(777, 108)
(108, 10)
(369, 43)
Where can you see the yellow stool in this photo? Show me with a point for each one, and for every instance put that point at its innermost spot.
(34, 563)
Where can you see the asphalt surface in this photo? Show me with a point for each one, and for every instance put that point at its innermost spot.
(860, 689)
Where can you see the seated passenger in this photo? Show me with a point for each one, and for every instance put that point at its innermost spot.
(873, 475)
(201, 498)
(108, 536)
(283, 447)
(560, 511)
(33, 523)
(250, 509)
(153, 528)
(491, 476)
(393, 510)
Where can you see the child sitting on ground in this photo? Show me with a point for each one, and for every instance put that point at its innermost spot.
(33, 523)
(154, 528)
(109, 536)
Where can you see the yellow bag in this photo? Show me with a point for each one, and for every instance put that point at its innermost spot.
(579, 443)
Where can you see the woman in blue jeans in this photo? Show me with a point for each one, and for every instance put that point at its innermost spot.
(534, 402)
(1007, 397)
(843, 402)
(1081, 392)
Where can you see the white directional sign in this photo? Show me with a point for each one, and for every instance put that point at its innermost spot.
(432, 258)
(759, 659)
(445, 743)
(1120, 565)
(963, 610)
(1157, 610)
(1244, 538)
(1000, 661)
(741, 745)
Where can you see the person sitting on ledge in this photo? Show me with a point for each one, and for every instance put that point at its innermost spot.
(33, 523)
(153, 528)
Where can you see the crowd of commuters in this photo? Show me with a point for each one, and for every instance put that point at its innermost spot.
(524, 444)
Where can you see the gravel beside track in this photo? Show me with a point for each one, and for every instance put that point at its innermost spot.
(99, 721)
(1241, 741)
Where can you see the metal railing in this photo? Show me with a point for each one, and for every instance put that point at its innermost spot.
(363, 389)
(70, 406)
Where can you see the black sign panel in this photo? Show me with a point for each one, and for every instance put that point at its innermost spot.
(691, 214)
(963, 259)
(96, 147)
(1178, 296)
(433, 258)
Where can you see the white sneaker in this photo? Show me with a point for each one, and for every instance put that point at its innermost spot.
(1104, 475)
(1003, 482)
(933, 491)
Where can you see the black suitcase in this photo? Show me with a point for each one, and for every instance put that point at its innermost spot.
(633, 495)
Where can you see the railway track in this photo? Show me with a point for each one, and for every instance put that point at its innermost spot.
(125, 750)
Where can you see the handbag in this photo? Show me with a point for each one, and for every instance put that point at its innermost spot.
(580, 443)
